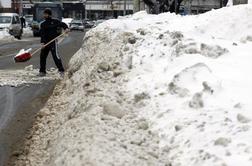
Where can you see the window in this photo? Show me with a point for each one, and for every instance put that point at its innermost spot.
(17, 19)
(5, 19)
(14, 21)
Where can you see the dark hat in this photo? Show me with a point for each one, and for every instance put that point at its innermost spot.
(48, 11)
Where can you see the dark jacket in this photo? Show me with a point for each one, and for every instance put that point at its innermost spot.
(49, 29)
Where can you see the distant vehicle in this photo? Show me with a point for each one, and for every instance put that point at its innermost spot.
(98, 22)
(29, 19)
(77, 25)
(88, 23)
(38, 9)
(11, 22)
(67, 21)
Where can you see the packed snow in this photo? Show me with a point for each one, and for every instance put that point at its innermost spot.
(27, 32)
(153, 90)
(26, 76)
(5, 36)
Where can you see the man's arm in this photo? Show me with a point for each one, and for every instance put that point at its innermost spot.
(63, 25)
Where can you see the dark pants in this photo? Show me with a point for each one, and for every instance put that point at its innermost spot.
(53, 47)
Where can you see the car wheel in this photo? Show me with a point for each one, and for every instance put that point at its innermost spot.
(19, 36)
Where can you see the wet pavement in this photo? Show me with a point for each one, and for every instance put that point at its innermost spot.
(19, 106)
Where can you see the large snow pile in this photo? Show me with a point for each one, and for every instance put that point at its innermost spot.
(153, 90)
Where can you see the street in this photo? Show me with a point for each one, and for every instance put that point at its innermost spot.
(19, 105)
(7, 50)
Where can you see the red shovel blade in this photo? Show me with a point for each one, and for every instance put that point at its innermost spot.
(22, 57)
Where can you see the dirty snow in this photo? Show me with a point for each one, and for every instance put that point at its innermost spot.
(26, 76)
(155, 90)
(5, 36)
(27, 32)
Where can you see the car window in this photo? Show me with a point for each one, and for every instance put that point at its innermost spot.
(17, 19)
(5, 19)
(14, 21)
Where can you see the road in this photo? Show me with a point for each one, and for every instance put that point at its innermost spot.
(8, 50)
(19, 105)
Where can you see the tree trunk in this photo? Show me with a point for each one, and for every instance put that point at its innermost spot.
(136, 6)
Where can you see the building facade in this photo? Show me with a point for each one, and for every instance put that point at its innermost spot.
(89, 9)
(104, 9)
(71, 9)
(201, 6)
(6, 6)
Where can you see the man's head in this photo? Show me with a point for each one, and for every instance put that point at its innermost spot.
(47, 13)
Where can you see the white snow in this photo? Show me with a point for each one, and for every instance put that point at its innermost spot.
(196, 70)
(27, 32)
(215, 49)
(188, 77)
(5, 36)
(26, 76)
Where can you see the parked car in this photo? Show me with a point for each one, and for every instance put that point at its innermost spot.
(28, 20)
(77, 25)
(11, 22)
(88, 23)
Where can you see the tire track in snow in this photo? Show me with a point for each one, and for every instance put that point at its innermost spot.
(5, 117)
(8, 107)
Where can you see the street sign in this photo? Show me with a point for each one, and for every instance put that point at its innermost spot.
(27, 6)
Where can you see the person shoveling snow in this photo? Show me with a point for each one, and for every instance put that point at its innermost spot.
(48, 32)
(49, 35)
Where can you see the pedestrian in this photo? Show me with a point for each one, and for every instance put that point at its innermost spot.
(49, 29)
(22, 19)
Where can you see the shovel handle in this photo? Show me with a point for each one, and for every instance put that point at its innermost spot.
(48, 43)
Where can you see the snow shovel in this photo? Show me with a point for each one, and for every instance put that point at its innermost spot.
(25, 55)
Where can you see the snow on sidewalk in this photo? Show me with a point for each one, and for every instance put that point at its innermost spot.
(27, 32)
(5, 36)
(26, 76)
(153, 90)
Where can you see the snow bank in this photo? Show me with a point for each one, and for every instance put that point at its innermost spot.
(27, 76)
(5, 36)
(27, 32)
(153, 90)
(195, 71)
